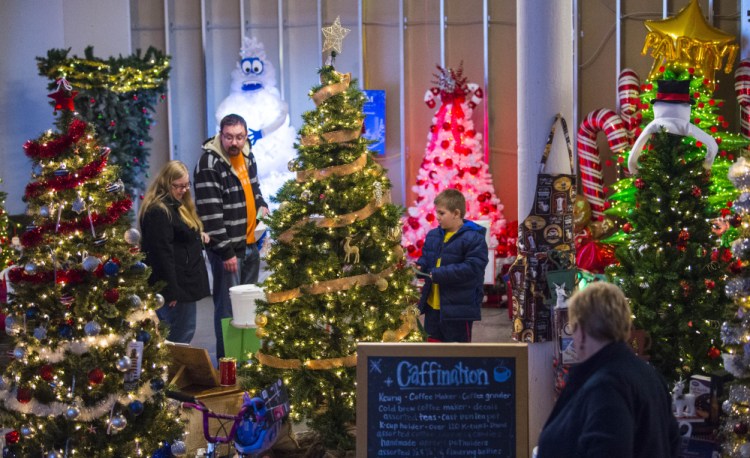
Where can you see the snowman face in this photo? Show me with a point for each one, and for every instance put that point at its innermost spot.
(252, 71)
(672, 110)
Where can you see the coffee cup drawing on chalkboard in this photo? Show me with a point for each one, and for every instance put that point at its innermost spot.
(501, 374)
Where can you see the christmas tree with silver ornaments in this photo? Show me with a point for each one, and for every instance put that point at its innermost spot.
(89, 368)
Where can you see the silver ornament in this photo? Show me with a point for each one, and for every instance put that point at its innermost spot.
(118, 423)
(79, 205)
(12, 326)
(92, 328)
(123, 364)
(40, 333)
(306, 194)
(132, 236)
(739, 174)
(159, 299)
(135, 301)
(44, 211)
(100, 240)
(292, 165)
(179, 448)
(726, 407)
(741, 248)
(745, 450)
(117, 186)
(19, 353)
(30, 268)
(72, 412)
(91, 263)
(741, 205)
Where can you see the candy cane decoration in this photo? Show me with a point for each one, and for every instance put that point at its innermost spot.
(742, 88)
(588, 154)
(628, 90)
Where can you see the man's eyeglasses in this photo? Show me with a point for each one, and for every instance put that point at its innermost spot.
(238, 138)
(181, 187)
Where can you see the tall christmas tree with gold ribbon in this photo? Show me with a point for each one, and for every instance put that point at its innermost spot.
(339, 274)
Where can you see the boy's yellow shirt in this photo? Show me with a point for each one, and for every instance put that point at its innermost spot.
(434, 298)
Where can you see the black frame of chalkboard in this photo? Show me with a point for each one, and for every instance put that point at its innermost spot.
(518, 352)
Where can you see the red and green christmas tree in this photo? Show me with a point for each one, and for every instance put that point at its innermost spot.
(454, 159)
(89, 366)
(339, 274)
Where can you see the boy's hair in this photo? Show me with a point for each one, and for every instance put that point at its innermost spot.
(602, 311)
(232, 120)
(451, 199)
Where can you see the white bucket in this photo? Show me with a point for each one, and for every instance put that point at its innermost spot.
(243, 299)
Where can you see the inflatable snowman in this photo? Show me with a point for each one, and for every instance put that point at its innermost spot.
(254, 96)
(672, 113)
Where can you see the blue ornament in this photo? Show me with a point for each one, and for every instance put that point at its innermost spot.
(65, 331)
(111, 268)
(163, 452)
(136, 407)
(31, 312)
(143, 336)
(138, 267)
(157, 384)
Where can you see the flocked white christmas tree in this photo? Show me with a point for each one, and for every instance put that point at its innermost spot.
(254, 96)
(453, 159)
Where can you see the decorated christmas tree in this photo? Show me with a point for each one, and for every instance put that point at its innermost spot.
(670, 270)
(453, 159)
(118, 97)
(339, 274)
(88, 368)
(735, 332)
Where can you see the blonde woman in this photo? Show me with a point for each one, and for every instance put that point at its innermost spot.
(172, 239)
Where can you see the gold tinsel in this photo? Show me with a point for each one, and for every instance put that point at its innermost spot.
(336, 136)
(326, 92)
(336, 170)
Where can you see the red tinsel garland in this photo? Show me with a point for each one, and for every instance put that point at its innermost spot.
(72, 180)
(70, 277)
(34, 236)
(54, 147)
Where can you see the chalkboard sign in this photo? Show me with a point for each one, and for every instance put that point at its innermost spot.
(442, 400)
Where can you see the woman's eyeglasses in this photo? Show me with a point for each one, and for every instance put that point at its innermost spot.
(181, 187)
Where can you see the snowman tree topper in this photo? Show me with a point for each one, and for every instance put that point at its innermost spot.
(672, 114)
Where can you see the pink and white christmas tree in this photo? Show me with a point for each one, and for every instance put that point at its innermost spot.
(453, 159)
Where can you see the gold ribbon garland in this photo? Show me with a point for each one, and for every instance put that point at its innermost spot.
(336, 170)
(331, 286)
(339, 221)
(326, 92)
(409, 322)
(336, 136)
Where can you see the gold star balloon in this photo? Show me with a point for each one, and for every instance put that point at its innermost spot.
(688, 41)
(334, 35)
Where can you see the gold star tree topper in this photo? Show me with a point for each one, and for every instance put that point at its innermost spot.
(334, 35)
(687, 40)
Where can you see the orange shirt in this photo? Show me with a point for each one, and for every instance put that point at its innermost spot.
(239, 167)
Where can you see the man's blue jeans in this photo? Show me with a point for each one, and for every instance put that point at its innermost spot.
(181, 321)
(247, 273)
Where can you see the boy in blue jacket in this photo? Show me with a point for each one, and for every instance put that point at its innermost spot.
(454, 256)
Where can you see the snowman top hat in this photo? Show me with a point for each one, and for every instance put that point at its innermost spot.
(673, 91)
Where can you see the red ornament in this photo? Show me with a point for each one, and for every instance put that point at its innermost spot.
(12, 437)
(420, 244)
(639, 183)
(481, 198)
(413, 222)
(411, 249)
(740, 428)
(436, 161)
(714, 353)
(726, 255)
(473, 170)
(627, 227)
(445, 144)
(446, 126)
(433, 128)
(96, 376)
(430, 217)
(470, 133)
(23, 395)
(63, 96)
(461, 129)
(47, 372)
(696, 191)
(710, 284)
(112, 295)
(448, 162)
